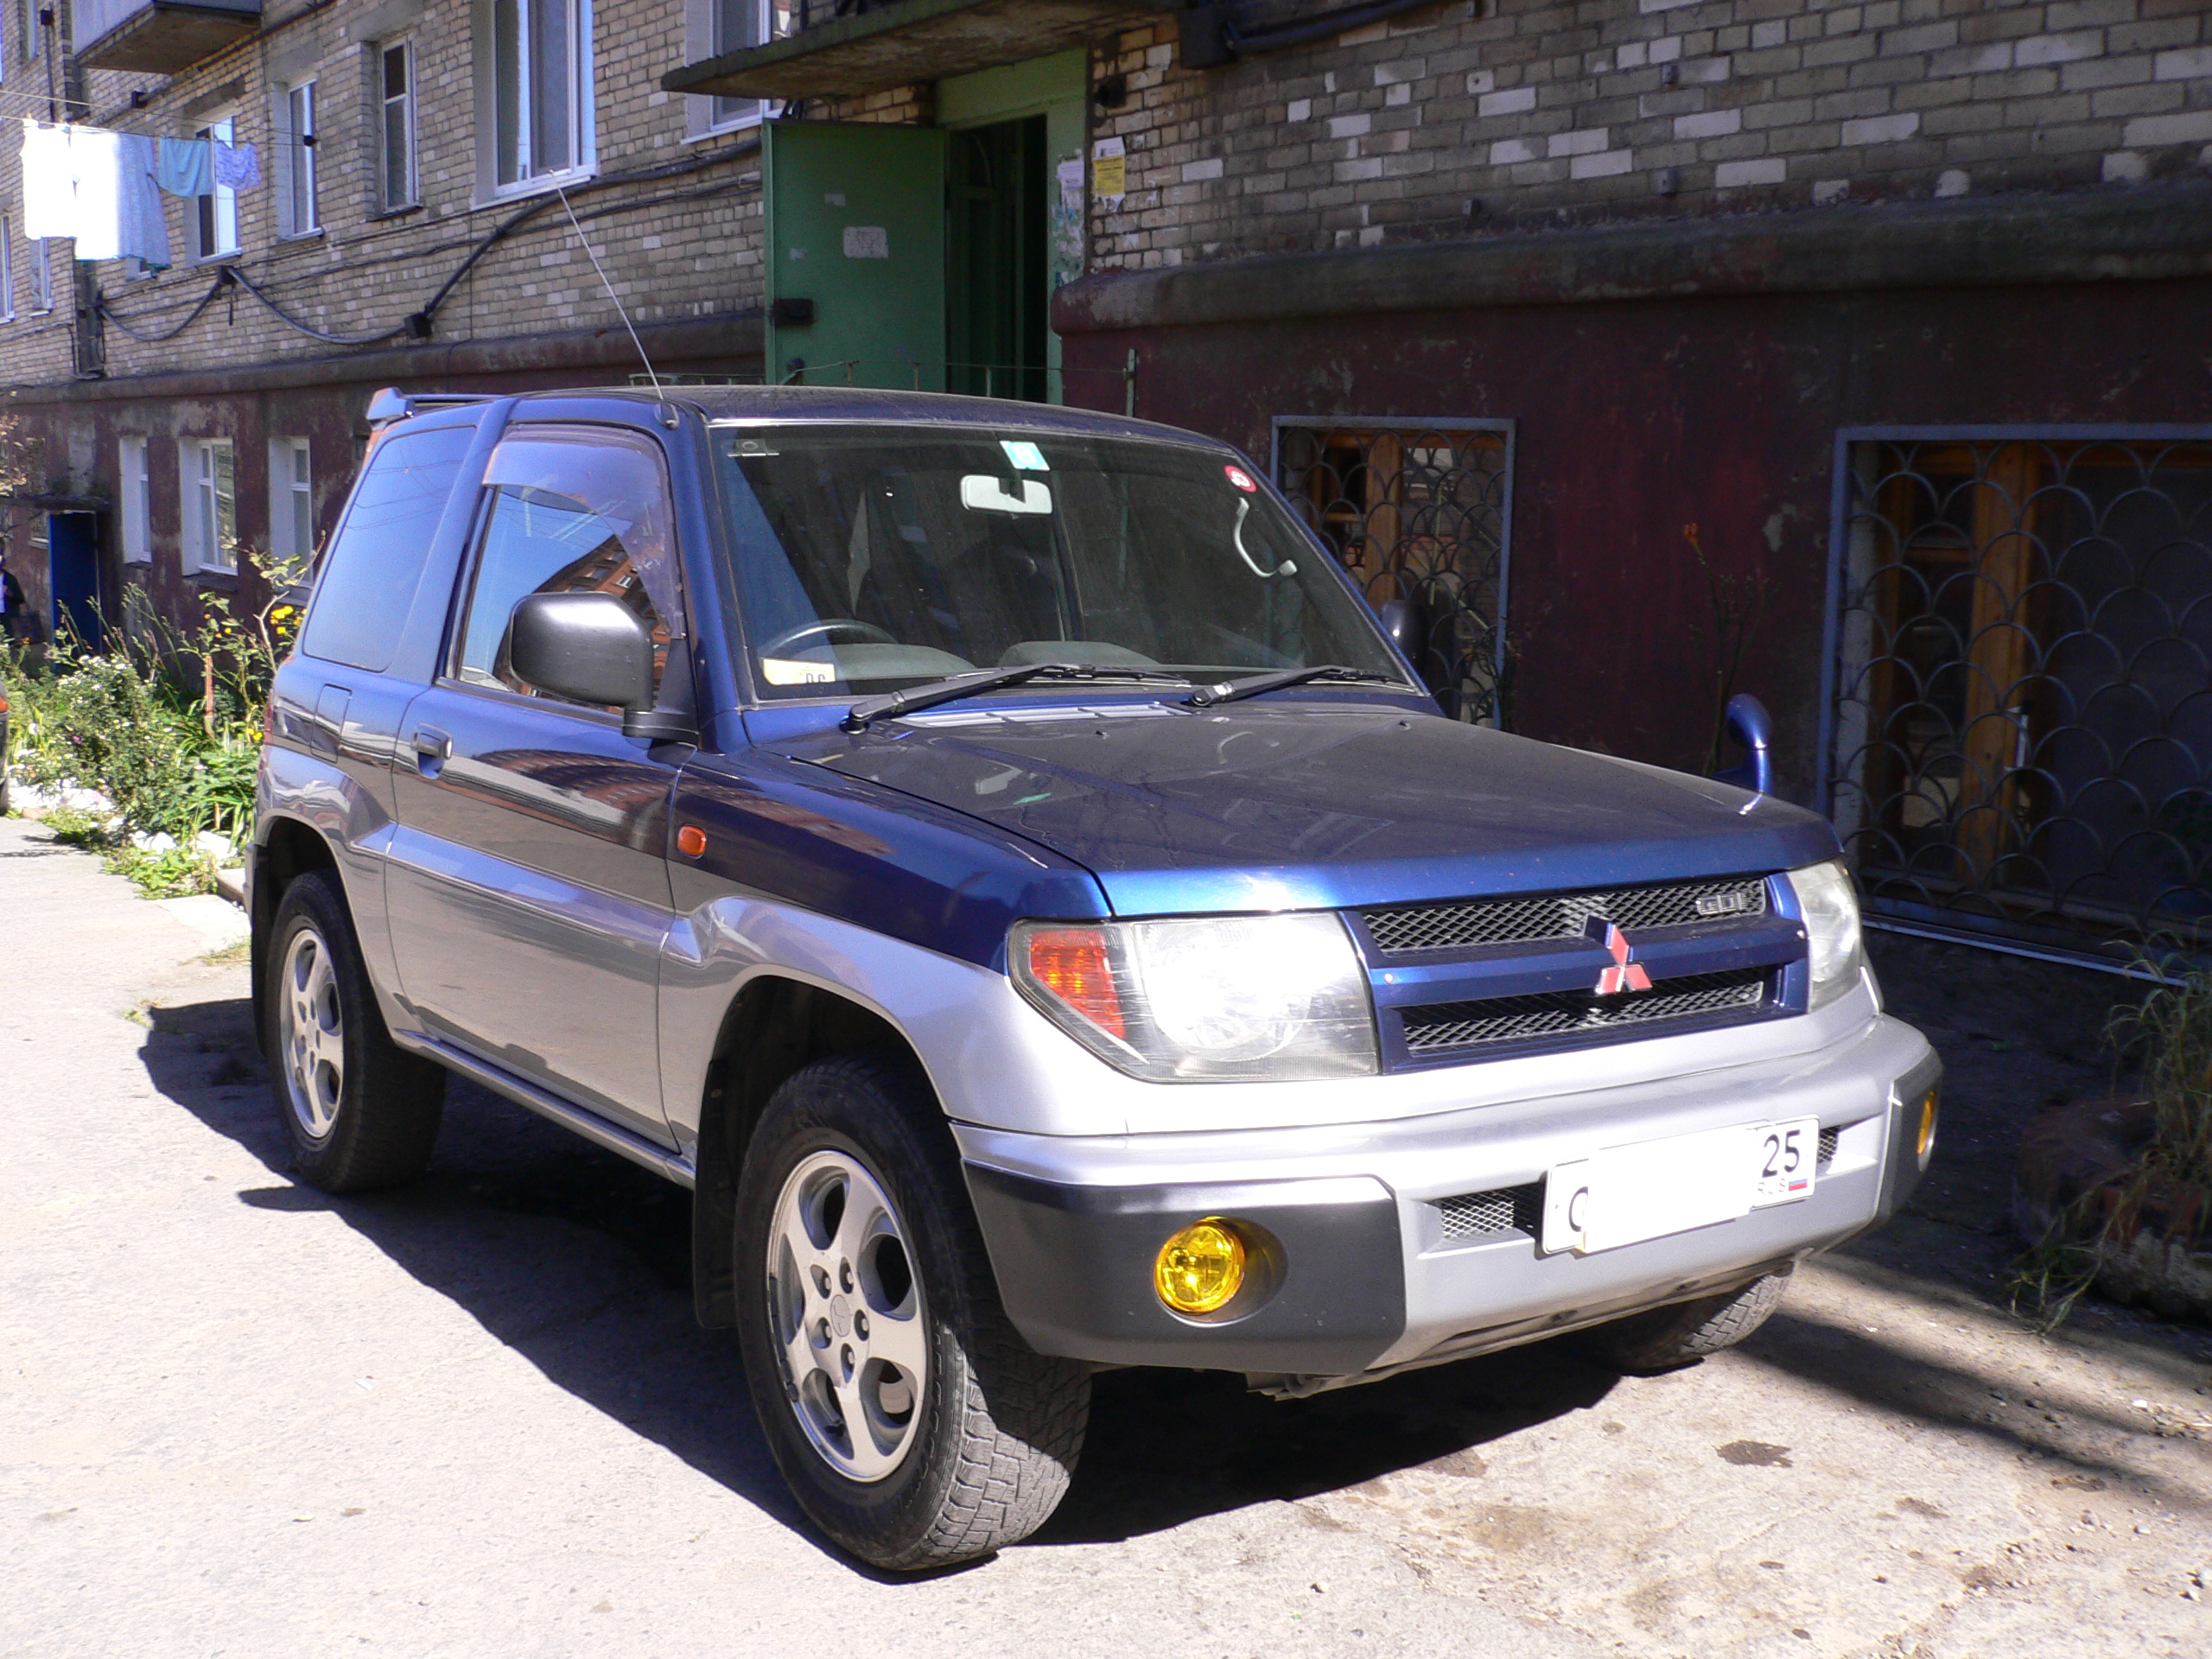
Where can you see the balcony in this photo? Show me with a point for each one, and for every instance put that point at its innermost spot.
(161, 37)
(873, 48)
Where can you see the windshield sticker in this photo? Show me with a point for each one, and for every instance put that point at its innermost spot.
(790, 670)
(1026, 456)
(1241, 479)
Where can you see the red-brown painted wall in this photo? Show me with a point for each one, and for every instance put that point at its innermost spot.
(1636, 418)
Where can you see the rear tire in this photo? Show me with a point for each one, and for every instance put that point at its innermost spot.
(360, 1112)
(1664, 1338)
(912, 1424)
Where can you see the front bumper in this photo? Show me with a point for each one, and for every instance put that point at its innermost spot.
(1372, 1275)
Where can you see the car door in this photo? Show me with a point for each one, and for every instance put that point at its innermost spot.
(528, 880)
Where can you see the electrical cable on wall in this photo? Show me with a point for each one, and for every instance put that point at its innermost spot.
(417, 324)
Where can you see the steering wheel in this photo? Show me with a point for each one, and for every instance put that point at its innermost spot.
(865, 631)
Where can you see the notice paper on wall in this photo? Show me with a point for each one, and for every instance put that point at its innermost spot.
(1109, 172)
(1071, 174)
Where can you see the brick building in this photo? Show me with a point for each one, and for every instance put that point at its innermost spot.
(1646, 349)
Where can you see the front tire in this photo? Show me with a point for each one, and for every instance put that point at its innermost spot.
(360, 1112)
(1665, 1338)
(912, 1424)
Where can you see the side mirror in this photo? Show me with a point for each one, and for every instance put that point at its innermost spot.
(1402, 621)
(591, 647)
(1751, 729)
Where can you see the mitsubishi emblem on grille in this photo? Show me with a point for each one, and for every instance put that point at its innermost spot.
(1626, 974)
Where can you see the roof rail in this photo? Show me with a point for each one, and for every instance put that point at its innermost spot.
(392, 404)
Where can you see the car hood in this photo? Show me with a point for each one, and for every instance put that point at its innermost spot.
(1317, 803)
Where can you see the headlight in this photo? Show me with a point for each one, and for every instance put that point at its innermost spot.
(1209, 999)
(1831, 907)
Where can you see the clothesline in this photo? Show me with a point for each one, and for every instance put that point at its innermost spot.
(103, 188)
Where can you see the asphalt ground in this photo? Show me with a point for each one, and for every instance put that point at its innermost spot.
(240, 1418)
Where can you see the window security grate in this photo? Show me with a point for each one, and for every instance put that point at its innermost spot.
(1421, 514)
(1564, 916)
(2021, 746)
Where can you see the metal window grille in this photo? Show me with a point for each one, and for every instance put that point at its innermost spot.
(2019, 724)
(1420, 512)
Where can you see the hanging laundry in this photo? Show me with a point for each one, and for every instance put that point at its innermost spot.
(185, 167)
(142, 230)
(96, 188)
(49, 182)
(96, 158)
(237, 167)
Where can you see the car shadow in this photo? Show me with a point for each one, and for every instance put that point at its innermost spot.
(580, 1262)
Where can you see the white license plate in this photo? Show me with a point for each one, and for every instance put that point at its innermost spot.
(1624, 1195)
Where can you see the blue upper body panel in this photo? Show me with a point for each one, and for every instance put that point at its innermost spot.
(1322, 800)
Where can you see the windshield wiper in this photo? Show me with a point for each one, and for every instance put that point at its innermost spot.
(1207, 696)
(893, 704)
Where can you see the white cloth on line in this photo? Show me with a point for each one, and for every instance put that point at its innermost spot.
(49, 182)
(97, 157)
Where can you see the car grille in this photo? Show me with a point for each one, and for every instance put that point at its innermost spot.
(1564, 915)
(1826, 1154)
(1441, 1027)
(1502, 1210)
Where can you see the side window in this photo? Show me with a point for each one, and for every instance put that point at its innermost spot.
(375, 562)
(572, 512)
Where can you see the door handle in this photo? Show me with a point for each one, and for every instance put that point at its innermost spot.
(431, 744)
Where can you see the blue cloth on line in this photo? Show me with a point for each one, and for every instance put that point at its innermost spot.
(237, 166)
(185, 167)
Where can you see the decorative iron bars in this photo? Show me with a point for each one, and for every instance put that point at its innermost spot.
(1421, 514)
(2022, 710)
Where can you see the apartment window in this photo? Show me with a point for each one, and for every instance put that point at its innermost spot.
(291, 499)
(215, 228)
(710, 28)
(27, 32)
(396, 105)
(540, 88)
(294, 118)
(41, 277)
(137, 534)
(211, 504)
(7, 268)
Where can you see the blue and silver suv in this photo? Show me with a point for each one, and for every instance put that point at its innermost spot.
(991, 856)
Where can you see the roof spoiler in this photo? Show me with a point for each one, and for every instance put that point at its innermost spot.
(392, 404)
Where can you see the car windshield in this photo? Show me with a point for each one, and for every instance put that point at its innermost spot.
(876, 557)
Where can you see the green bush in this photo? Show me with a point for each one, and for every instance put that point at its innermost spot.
(168, 729)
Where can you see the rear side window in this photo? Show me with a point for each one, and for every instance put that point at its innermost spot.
(375, 562)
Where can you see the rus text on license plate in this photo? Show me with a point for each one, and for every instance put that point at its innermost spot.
(1623, 1195)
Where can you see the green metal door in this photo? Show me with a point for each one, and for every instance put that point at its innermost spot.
(856, 226)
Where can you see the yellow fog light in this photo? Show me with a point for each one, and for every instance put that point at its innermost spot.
(1927, 1140)
(1201, 1267)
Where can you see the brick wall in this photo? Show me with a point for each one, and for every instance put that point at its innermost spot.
(677, 248)
(1518, 114)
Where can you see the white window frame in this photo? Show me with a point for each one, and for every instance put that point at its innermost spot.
(494, 19)
(291, 483)
(32, 44)
(705, 115)
(294, 119)
(7, 268)
(136, 493)
(381, 102)
(42, 277)
(217, 210)
(201, 544)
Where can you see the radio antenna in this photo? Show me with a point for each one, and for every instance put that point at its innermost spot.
(620, 309)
